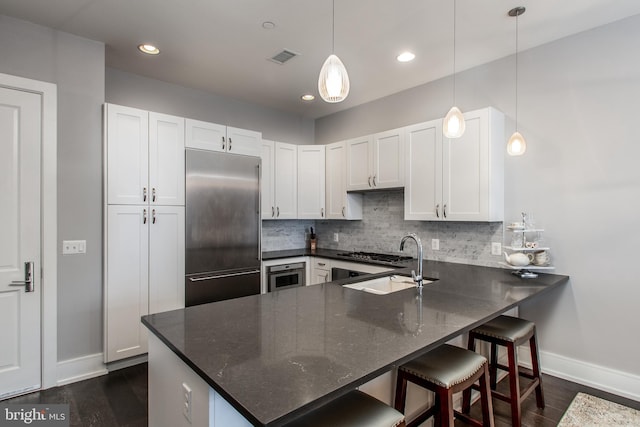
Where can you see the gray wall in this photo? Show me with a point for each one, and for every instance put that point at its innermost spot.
(76, 65)
(136, 91)
(579, 177)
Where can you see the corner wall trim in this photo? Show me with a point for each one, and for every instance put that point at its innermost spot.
(81, 368)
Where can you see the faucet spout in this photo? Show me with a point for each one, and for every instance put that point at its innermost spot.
(416, 277)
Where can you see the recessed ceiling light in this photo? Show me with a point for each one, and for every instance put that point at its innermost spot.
(149, 49)
(307, 97)
(405, 57)
(268, 25)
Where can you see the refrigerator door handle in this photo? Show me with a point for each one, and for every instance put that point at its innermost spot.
(220, 276)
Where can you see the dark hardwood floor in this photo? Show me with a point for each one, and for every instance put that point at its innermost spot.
(120, 399)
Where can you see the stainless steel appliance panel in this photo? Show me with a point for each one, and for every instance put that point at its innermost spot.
(202, 289)
(343, 273)
(223, 223)
(286, 276)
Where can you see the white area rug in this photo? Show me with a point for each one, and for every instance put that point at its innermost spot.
(587, 410)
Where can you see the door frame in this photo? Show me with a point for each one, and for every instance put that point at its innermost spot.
(49, 223)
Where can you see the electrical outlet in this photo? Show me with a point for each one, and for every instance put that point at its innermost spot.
(336, 237)
(187, 396)
(71, 247)
(496, 248)
(435, 244)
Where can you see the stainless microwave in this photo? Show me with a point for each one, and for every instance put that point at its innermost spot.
(286, 276)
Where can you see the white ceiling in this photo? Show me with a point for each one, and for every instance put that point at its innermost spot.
(220, 46)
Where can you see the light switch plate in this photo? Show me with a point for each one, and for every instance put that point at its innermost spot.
(496, 248)
(435, 244)
(72, 247)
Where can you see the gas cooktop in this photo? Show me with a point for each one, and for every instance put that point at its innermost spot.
(372, 256)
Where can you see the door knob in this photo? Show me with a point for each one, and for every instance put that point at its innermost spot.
(28, 278)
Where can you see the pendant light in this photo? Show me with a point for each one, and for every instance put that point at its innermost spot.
(454, 126)
(517, 144)
(333, 82)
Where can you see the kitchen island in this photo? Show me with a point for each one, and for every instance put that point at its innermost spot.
(267, 359)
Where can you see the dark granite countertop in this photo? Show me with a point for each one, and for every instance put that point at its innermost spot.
(277, 356)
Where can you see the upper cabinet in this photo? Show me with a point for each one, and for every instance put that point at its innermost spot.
(459, 179)
(311, 181)
(145, 157)
(376, 161)
(279, 180)
(339, 203)
(215, 137)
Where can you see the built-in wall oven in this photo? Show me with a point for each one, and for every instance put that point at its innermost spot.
(286, 276)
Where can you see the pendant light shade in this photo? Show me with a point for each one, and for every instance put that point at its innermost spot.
(516, 146)
(333, 83)
(454, 126)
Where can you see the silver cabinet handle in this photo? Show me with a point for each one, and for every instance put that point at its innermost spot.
(144, 216)
(222, 276)
(144, 194)
(230, 141)
(374, 181)
(153, 194)
(444, 210)
(438, 210)
(273, 212)
(278, 212)
(321, 264)
(326, 277)
(28, 278)
(369, 181)
(223, 143)
(153, 216)
(322, 212)
(343, 212)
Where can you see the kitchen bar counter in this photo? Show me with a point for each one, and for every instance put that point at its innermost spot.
(276, 356)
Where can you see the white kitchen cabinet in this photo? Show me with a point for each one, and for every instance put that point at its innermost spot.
(460, 179)
(279, 191)
(215, 137)
(311, 181)
(320, 270)
(145, 157)
(267, 179)
(339, 203)
(376, 161)
(144, 272)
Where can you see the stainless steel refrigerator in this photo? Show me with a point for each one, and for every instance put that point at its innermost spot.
(223, 226)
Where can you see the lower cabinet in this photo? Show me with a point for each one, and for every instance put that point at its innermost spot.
(320, 271)
(144, 272)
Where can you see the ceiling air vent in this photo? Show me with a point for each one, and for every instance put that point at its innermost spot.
(282, 57)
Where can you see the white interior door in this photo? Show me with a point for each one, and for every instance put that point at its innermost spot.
(20, 137)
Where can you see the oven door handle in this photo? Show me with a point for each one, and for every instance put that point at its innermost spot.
(220, 276)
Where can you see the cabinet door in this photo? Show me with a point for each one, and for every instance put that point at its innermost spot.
(388, 163)
(423, 179)
(205, 135)
(339, 203)
(336, 170)
(166, 159)
(286, 173)
(127, 281)
(465, 171)
(267, 180)
(166, 258)
(242, 141)
(311, 182)
(359, 160)
(127, 139)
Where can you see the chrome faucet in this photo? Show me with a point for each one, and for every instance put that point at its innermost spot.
(416, 278)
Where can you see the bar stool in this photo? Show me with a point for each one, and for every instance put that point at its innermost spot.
(446, 370)
(510, 332)
(354, 409)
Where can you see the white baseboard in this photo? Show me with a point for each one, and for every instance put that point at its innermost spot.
(80, 368)
(606, 379)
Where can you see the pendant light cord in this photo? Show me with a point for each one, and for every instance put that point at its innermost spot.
(517, 17)
(333, 26)
(454, 52)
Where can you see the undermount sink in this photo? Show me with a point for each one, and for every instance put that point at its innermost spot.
(385, 285)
